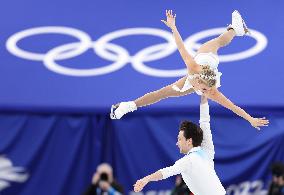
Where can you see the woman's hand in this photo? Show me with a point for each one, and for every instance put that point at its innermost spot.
(171, 23)
(259, 122)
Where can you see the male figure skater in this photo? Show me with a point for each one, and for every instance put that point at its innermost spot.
(197, 166)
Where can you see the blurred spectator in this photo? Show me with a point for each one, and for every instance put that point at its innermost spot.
(103, 182)
(180, 187)
(277, 184)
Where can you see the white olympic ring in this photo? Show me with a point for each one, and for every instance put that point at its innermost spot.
(119, 55)
(11, 43)
(260, 45)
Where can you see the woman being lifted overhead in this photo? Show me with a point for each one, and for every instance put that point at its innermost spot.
(203, 76)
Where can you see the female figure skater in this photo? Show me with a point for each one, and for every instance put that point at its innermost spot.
(203, 76)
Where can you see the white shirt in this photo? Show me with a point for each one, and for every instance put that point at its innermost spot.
(197, 167)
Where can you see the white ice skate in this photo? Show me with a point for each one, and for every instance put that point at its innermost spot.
(238, 24)
(122, 109)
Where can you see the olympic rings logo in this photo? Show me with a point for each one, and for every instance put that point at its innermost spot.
(117, 54)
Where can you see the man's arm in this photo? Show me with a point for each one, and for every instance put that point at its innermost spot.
(141, 183)
(204, 121)
(158, 175)
(187, 58)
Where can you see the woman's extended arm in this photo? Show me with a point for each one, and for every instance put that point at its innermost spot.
(187, 58)
(218, 97)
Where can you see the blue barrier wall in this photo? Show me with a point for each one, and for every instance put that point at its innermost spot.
(60, 152)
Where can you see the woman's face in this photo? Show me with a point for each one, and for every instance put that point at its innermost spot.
(198, 84)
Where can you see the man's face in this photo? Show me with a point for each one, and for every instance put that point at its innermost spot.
(183, 144)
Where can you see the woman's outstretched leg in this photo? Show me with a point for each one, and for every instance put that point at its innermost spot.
(215, 44)
(149, 98)
(237, 28)
(158, 95)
